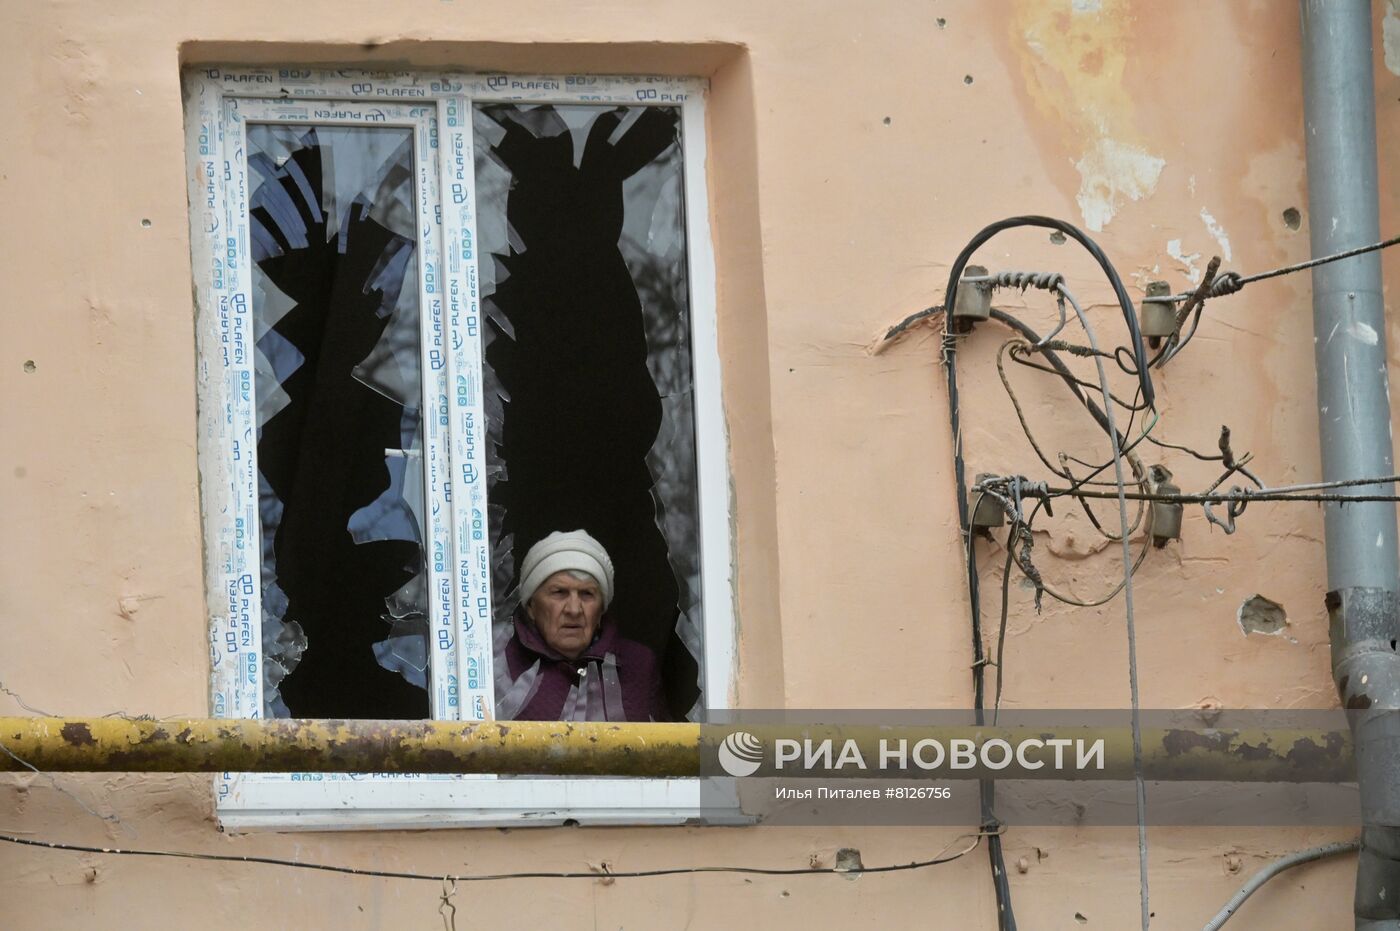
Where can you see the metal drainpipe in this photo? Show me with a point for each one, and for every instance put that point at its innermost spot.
(1354, 417)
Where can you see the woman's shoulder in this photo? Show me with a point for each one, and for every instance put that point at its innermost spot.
(634, 653)
(629, 652)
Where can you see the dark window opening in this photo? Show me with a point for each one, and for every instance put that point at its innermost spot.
(339, 444)
(588, 391)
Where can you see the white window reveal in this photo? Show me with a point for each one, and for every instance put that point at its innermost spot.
(439, 317)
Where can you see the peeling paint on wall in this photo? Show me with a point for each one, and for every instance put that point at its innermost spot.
(1073, 71)
(1218, 232)
(1187, 260)
(1112, 172)
(1390, 36)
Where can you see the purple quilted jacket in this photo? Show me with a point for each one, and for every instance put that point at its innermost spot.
(614, 679)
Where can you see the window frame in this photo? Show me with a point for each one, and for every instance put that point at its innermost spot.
(437, 106)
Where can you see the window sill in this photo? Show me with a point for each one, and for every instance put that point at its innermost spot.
(322, 802)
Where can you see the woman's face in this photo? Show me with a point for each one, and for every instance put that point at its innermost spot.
(566, 612)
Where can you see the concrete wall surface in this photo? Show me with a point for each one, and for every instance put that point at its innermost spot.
(854, 149)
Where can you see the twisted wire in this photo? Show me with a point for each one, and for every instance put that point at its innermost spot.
(1045, 281)
(1226, 283)
(1230, 282)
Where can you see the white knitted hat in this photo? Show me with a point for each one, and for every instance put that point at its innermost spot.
(559, 551)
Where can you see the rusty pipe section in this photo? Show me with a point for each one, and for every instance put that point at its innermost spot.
(336, 746)
(655, 750)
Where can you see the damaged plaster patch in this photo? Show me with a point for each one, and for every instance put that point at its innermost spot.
(1187, 260)
(1218, 232)
(1260, 615)
(1111, 173)
(1072, 71)
(848, 861)
(1142, 275)
(1390, 36)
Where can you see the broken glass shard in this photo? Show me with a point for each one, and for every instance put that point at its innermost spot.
(339, 400)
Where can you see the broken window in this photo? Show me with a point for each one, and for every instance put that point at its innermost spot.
(439, 317)
(339, 419)
(589, 402)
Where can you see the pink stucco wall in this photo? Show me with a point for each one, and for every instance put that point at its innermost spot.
(851, 159)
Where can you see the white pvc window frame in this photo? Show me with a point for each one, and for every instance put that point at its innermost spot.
(437, 108)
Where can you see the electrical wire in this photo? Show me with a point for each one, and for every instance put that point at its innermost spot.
(1335, 483)
(1143, 512)
(1121, 450)
(1015, 348)
(1060, 369)
(906, 323)
(1001, 630)
(1061, 471)
(1128, 614)
(1140, 365)
(1231, 282)
(1273, 869)
(1074, 383)
(1022, 357)
(1226, 284)
(23, 704)
(1005, 916)
(1023, 560)
(1044, 281)
(1104, 417)
(1204, 457)
(1112, 593)
(1056, 363)
(110, 818)
(936, 860)
(1125, 302)
(1057, 367)
(986, 791)
(1194, 308)
(1243, 494)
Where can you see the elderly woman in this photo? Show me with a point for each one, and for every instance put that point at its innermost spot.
(563, 658)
